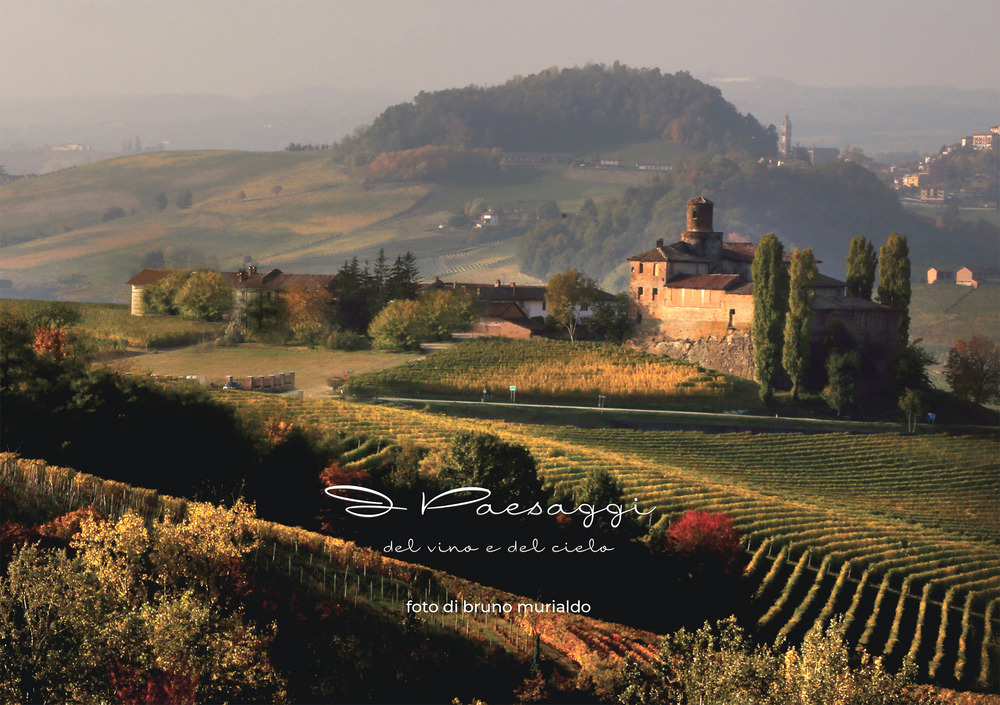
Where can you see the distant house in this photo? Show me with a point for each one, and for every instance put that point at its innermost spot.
(491, 218)
(507, 306)
(506, 320)
(514, 158)
(139, 282)
(818, 156)
(984, 140)
(977, 277)
(940, 276)
(246, 283)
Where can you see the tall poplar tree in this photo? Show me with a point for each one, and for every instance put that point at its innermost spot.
(770, 300)
(861, 265)
(803, 276)
(894, 280)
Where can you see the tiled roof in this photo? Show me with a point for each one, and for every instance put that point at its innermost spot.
(508, 310)
(718, 282)
(825, 282)
(830, 302)
(739, 251)
(744, 252)
(983, 271)
(679, 251)
(148, 276)
(276, 280)
(500, 293)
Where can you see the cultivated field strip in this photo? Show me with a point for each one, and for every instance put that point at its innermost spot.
(546, 370)
(846, 520)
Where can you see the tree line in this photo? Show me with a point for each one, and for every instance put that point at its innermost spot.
(782, 331)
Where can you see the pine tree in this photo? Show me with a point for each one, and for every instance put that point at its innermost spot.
(350, 290)
(798, 323)
(379, 283)
(404, 278)
(861, 266)
(894, 280)
(770, 300)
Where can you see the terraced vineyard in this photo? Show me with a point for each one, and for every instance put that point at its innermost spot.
(343, 572)
(546, 370)
(899, 534)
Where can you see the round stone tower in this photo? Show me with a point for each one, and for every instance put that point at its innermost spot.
(699, 234)
(699, 218)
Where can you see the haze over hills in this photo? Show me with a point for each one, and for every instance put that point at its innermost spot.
(901, 119)
(266, 122)
(81, 233)
(887, 119)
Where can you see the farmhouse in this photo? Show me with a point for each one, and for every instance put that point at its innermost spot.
(940, 276)
(977, 277)
(701, 286)
(246, 283)
(507, 309)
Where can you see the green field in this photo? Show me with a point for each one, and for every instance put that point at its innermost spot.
(111, 326)
(897, 533)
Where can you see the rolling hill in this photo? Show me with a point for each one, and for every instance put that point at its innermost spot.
(58, 244)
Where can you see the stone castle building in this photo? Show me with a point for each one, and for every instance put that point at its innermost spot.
(700, 287)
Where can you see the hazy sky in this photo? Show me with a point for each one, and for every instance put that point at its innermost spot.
(248, 47)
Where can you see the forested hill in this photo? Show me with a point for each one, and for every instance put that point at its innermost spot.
(821, 208)
(577, 110)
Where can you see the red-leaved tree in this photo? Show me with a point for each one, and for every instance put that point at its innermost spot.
(51, 341)
(707, 542)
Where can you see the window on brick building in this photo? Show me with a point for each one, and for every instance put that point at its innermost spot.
(655, 292)
(639, 293)
(640, 268)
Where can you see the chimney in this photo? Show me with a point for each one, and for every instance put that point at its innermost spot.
(659, 243)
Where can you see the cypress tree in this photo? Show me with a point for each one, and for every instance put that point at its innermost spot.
(861, 265)
(803, 276)
(770, 300)
(894, 280)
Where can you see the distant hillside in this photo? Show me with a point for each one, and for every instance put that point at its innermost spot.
(942, 313)
(82, 232)
(578, 110)
(821, 208)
